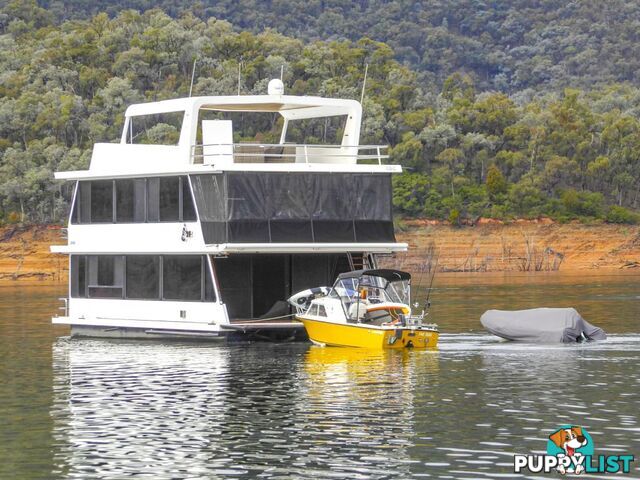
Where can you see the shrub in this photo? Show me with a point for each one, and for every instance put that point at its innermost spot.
(618, 214)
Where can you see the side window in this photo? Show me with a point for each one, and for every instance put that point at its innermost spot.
(78, 272)
(137, 200)
(106, 276)
(322, 311)
(143, 277)
(124, 200)
(169, 204)
(153, 199)
(182, 277)
(102, 201)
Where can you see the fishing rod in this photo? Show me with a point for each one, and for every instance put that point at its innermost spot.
(427, 303)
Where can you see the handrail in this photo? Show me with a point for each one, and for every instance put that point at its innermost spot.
(307, 155)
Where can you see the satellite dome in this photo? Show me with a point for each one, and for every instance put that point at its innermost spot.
(276, 87)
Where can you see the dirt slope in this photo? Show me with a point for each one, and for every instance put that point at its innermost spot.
(489, 246)
(521, 246)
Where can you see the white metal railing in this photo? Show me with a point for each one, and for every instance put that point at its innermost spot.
(287, 153)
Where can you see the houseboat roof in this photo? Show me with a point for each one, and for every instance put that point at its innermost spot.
(289, 106)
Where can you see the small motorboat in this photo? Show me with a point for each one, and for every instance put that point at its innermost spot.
(365, 308)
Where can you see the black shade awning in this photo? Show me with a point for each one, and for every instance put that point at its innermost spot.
(386, 273)
(286, 207)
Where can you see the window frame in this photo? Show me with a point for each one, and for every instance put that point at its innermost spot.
(184, 188)
(206, 271)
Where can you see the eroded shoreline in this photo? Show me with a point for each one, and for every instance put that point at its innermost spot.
(524, 246)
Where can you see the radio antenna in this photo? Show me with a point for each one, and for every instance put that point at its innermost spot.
(239, 75)
(193, 74)
(364, 82)
(281, 72)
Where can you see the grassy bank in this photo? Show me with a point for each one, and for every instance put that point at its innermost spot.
(486, 247)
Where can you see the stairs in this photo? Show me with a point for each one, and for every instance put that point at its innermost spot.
(361, 261)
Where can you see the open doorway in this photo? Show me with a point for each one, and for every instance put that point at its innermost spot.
(257, 286)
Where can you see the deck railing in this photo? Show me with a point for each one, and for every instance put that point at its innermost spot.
(287, 153)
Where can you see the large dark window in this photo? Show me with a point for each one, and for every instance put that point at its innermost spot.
(153, 200)
(170, 199)
(137, 200)
(124, 200)
(102, 201)
(143, 277)
(185, 277)
(78, 276)
(106, 276)
(182, 277)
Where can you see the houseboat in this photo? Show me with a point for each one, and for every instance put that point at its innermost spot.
(191, 226)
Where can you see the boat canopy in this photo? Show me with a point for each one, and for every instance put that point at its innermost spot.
(388, 274)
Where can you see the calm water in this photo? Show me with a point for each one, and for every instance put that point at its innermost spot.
(114, 409)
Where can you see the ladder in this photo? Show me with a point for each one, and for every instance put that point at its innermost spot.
(362, 261)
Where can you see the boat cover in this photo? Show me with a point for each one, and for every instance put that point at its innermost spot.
(550, 325)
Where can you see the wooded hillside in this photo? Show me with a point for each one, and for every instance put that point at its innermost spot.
(472, 146)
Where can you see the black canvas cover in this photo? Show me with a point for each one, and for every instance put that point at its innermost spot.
(285, 207)
(546, 325)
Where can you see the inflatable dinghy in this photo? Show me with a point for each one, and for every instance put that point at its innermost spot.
(547, 325)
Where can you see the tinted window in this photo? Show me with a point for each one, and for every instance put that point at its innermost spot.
(124, 200)
(153, 199)
(84, 205)
(106, 276)
(182, 277)
(102, 201)
(106, 270)
(78, 276)
(143, 276)
(169, 199)
(139, 200)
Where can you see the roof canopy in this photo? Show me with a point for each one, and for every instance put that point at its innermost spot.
(388, 274)
(288, 106)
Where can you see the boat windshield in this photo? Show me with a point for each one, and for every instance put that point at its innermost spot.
(373, 288)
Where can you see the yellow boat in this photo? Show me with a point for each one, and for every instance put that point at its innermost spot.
(365, 308)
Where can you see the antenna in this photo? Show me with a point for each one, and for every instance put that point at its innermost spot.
(281, 72)
(193, 74)
(364, 82)
(239, 73)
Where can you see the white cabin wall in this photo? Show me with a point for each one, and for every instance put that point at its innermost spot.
(135, 238)
(145, 313)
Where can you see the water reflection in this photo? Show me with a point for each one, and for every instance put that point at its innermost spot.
(298, 411)
(114, 409)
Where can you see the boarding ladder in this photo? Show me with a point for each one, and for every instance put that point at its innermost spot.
(361, 261)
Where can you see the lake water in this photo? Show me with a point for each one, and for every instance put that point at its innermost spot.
(114, 409)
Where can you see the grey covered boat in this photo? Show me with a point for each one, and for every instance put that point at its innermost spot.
(545, 325)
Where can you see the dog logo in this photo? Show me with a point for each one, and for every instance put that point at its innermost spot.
(570, 450)
(572, 442)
